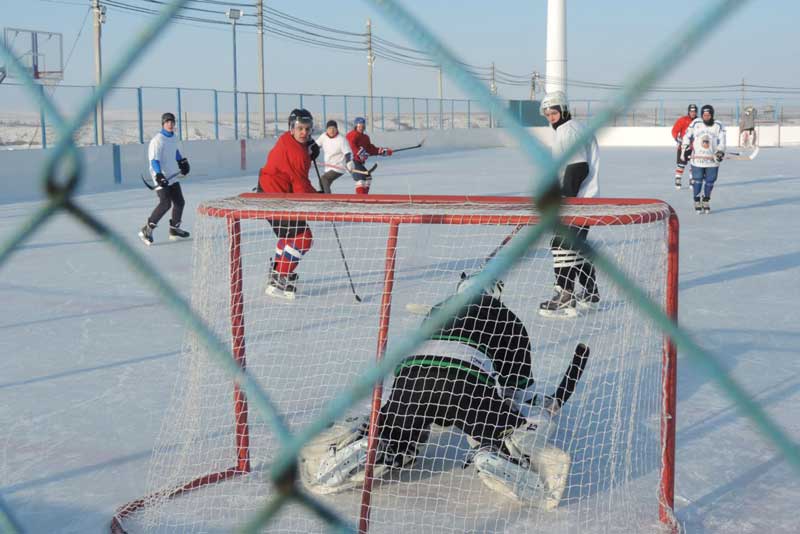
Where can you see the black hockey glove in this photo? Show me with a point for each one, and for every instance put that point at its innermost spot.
(161, 179)
(313, 149)
(719, 156)
(687, 152)
(183, 165)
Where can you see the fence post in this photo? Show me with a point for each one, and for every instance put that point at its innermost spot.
(469, 102)
(397, 122)
(236, 115)
(180, 115)
(44, 124)
(301, 100)
(247, 115)
(324, 110)
(383, 127)
(346, 123)
(216, 115)
(441, 114)
(140, 114)
(96, 126)
(413, 114)
(427, 116)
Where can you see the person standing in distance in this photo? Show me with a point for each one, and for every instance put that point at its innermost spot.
(166, 162)
(578, 179)
(286, 171)
(338, 155)
(706, 137)
(678, 131)
(747, 128)
(362, 148)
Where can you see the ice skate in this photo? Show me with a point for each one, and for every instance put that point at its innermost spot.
(677, 182)
(588, 300)
(146, 233)
(706, 205)
(282, 285)
(562, 304)
(698, 206)
(176, 233)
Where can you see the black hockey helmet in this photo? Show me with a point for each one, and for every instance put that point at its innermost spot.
(692, 107)
(301, 115)
(166, 117)
(331, 123)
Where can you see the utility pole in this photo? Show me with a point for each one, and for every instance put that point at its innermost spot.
(260, 25)
(441, 95)
(370, 63)
(234, 15)
(534, 79)
(99, 19)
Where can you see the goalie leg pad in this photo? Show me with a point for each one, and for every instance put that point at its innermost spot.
(540, 483)
(316, 457)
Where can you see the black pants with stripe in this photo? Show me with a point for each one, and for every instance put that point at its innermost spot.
(446, 395)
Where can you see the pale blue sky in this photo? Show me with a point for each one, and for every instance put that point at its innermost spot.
(606, 40)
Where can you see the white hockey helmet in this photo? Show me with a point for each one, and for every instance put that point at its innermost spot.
(556, 99)
(493, 288)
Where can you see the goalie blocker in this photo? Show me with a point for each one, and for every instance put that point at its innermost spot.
(474, 374)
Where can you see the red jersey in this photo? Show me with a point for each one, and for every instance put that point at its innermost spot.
(679, 129)
(361, 146)
(286, 170)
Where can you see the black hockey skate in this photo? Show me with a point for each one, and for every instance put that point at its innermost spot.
(706, 205)
(562, 304)
(677, 182)
(698, 206)
(282, 285)
(175, 232)
(146, 233)
(588, 300)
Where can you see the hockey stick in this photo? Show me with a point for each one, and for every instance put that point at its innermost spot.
(339, 242)
(568, 383)
(153, 187)
(368, 172)
(419, 145)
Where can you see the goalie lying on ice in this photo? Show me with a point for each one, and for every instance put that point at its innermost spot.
(474, 374)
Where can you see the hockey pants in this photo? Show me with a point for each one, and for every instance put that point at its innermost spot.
(436, 392)
(170, 196)
(569, 264)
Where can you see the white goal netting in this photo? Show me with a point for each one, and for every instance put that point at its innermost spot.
(306, 351)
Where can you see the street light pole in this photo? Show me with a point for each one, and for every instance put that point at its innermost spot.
(234, 15)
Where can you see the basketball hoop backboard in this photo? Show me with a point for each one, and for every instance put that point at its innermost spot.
(40, 52)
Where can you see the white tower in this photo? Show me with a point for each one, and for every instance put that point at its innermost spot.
(556, 53)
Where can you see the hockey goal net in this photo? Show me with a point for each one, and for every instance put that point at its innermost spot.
(209, 470)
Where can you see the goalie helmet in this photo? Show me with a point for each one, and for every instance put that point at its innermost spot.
(303, 116)
(494, 288)
(556, 100)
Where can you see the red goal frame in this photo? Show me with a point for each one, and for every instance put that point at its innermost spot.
(233, 216)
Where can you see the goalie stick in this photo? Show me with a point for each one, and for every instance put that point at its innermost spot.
(368, 172)
(573, 373)
(152, 187)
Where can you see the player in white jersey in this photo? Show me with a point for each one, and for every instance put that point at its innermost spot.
(707, 139)
(166, 162)
(578, 178)
(338, 156)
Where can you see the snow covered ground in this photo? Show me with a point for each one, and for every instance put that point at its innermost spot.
(89, 352)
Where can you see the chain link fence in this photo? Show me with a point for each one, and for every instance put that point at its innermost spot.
(63, 172)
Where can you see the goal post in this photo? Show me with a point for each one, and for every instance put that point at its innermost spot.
(210, 466)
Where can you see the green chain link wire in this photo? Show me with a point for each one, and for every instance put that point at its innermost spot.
(65, 160)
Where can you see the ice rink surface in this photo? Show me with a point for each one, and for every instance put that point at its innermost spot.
(89, 351)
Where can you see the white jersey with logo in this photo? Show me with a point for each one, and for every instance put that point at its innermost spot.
(335, 149)
(564, 137)
(163, 149)
(706, 141)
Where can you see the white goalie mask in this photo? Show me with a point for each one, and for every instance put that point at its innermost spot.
(493, 288)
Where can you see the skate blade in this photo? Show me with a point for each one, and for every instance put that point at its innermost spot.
(588, 306)
(567, 313)
(179, 238)
(144, 240)
(275, 292)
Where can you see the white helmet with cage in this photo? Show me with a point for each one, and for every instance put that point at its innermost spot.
(556, 99)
